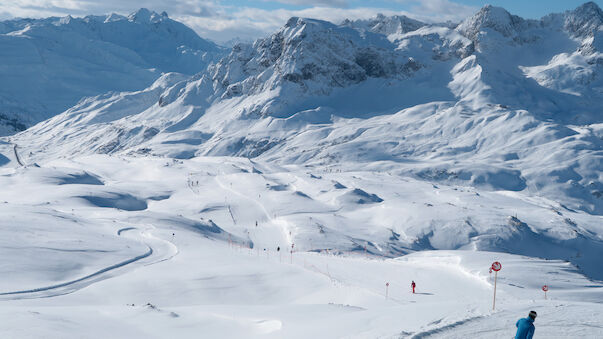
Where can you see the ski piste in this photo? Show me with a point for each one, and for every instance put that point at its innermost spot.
(299, 185)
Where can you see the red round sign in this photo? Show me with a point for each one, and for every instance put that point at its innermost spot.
(545, 288)
(496, 266)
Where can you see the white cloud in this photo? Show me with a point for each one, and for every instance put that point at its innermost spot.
(439, 10)
(327, 3)
(251, 23)
(214, 20)
(43, 8)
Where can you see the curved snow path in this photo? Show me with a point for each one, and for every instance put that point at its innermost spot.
(172, 250)
(119, 232)
(77, 284)
(74, 282)
(17, 155)
(440, 331)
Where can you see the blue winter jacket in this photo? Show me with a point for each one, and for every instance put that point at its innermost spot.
(525, 328)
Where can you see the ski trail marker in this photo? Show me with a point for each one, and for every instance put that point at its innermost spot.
(496, 266)
(386, 289)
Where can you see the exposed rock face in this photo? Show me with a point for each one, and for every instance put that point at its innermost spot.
(315, 55)
(386, 25)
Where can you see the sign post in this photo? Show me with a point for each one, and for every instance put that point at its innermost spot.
(292, 246)
(496, 266)
(545, 288)
(386, 289)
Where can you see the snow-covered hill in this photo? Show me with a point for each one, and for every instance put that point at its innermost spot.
(478, 104)
(48, 65)
(174, 248)
(272, 194)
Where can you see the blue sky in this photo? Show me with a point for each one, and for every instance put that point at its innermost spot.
(222, 20)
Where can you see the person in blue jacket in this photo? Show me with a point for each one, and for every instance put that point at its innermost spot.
(525, 326)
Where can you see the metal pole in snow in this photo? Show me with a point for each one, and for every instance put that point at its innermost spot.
(386, 289)
(494, 300)
(496, 266)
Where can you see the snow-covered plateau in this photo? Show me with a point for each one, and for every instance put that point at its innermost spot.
(295, 187)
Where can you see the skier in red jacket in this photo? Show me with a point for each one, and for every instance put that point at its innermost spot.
(413, 285)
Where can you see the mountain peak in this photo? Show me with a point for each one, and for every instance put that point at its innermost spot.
(589, 6)
(299, 22)
(309, 57)
(144, 15)
(66, 20)
(489, 13)
(387, 25)
(584, 20)
(491, 17)
(114, 17)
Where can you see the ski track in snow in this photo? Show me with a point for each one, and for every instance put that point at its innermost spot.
(17, 155)
(102, 274)
(438, 331)
(74, 284)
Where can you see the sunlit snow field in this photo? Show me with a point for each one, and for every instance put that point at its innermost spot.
(103, 246)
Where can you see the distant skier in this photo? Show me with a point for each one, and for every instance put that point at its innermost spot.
(525, 326)
(413, 285)
(278, 249)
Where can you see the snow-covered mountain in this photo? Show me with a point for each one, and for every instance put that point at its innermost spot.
(48, 65)
(318, 171)
(479, 104)
(386, 25)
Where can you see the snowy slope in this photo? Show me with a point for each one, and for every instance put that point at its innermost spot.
(48, 65)
(169, 248)
(379, 151)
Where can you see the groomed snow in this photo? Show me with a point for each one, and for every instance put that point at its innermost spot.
(172, 250)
